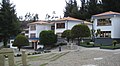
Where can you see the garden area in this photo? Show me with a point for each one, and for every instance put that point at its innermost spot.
(114, 45)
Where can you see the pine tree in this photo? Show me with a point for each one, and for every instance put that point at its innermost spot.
(9, 23)
(71, 9)
(93, 8)
(111, 5)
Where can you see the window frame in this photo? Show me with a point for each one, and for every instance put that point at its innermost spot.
(32, 27)
(104, 22)
(60, 25)
(32, 35)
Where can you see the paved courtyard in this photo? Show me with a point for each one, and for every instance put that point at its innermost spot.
(75, 57)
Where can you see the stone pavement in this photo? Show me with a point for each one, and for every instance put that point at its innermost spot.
(75, 57)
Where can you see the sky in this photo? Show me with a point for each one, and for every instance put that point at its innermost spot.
(41, 7)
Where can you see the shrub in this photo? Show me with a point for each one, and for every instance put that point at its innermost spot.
(114, 42)
(88, 43)
(62, 44)
(48, 38)
(18, 55)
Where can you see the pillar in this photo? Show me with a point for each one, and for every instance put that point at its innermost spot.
(11, 59)
(24, 58)
(2, 60)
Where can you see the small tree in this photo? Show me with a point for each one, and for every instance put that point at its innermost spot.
(114, 42)
(79, 31)
(47, 38)
(98, 32)
(66, 34)
(20, 41)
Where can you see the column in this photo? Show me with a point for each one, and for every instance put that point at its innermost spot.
(24, 58)
(11, 59)
(2, 60)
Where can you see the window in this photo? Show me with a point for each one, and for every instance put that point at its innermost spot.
(52, 27)
(32, 27)
(26, 31)
(32, 35)
(60, 25)
(104, 22)
(105, 34)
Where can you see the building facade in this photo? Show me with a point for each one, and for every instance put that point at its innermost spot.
(65, 24)
(106, 26)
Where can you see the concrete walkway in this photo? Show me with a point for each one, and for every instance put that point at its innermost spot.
(75, 56)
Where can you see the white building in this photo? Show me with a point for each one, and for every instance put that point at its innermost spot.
(36, 27)
(67, 23)
(34, 30)
(108, 24)
(58, 26)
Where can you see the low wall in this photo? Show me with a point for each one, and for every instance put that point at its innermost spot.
(104, 41)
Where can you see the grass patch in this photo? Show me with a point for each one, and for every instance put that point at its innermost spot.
(86, 44)
(44, 64)
(106, 47)
(97, 45)
(110, 47)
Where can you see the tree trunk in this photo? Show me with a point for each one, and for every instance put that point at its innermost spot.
(19, 48)
(5, 42)
(78, 41)
(68, 40)
(72, 40)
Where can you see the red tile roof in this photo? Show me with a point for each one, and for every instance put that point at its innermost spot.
(68, 18)
(40, 22)
(107, 13)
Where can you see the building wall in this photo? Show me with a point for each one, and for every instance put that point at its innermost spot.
(31, 31)
(116, 27)
(102, 28)
(71, 24)
(90, 26)
(68, 26)
(39, 28)
(60, 30)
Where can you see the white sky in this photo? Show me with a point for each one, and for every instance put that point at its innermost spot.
(41, 7)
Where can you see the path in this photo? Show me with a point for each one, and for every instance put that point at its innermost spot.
(75, 57)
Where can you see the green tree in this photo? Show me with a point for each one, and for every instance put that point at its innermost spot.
(89, 8)
(47, 38)
(20, 41)
(9, 23)
(79, 31)
(71, 9)
(67, 34)
(111, 5)
(93, 7)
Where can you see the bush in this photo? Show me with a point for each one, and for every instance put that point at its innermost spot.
(114, 42)
(48, 38)
(18, 55)
(5, 56)
(62, 44)
(86, 44)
